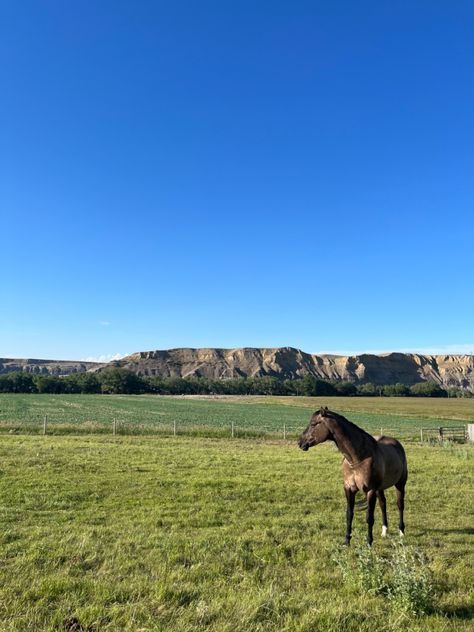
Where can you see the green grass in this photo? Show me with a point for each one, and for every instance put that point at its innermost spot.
(148, 413)
(161, 533)
(430, 407)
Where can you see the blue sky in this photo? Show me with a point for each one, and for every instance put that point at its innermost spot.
(236, 174)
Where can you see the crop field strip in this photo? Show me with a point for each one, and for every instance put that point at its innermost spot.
(239, 416)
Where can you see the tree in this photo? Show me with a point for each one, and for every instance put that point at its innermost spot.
(367, 390)
(313, 387)
(395, 390)
(17, 382)
(428, 389)
(121, 381)
(87, 382)
(346, 389)
(50, 384)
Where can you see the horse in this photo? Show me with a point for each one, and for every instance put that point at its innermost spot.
(370, 465)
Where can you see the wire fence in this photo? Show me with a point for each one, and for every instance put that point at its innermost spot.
(116, 427)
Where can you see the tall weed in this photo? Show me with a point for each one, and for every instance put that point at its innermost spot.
(403, 576)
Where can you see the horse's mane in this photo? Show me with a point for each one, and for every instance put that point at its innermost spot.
(325, 412)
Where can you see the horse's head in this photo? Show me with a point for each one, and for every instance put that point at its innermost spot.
(317, 430)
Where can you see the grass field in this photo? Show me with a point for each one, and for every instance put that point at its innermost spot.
(148, 413)
(163, 533)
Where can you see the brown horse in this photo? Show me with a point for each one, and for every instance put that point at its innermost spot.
(370, 465)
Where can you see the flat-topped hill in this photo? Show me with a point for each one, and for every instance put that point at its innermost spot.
(279, 362)
(288, 363)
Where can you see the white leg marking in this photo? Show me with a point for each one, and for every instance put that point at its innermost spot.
(384, 531)
(402, 535)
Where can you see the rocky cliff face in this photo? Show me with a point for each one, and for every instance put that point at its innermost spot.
(282, 362)
(47, 367)
(287, 362)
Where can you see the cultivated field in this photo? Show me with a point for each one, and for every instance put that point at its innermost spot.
(188, 533)
(207, 415)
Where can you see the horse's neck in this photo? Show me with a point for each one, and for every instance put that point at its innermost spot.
(354, 443)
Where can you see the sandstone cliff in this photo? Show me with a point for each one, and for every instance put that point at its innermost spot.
(287, 362)
(282, 362)
(47, 367)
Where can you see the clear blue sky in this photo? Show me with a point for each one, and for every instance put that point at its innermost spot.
(229, 174)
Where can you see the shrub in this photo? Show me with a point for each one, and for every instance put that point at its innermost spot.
(403, 576)
(410, 584)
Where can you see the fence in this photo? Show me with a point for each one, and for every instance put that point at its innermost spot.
(116, 426)
(284, 432)
(456, 434)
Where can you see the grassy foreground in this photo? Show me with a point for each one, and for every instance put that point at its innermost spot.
(159, 533)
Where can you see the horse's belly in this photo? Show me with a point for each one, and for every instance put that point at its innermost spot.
(393, 471)
(391, 463)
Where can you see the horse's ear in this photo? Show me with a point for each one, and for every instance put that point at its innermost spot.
(323, 410)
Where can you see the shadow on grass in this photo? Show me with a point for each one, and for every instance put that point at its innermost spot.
(462, 531)
(456, 612)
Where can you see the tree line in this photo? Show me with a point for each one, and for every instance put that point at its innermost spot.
(122, 381)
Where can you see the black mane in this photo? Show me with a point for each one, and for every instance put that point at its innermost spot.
(340, 418)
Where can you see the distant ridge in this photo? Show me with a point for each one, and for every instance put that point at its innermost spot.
(47, 367)
(289, 363)
(279, 362)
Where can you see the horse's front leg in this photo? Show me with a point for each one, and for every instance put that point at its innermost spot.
(371, 500)
(350, 497)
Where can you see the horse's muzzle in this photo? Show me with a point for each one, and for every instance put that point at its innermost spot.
(303, 445)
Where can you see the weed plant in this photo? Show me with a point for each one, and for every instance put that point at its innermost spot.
(402, 576)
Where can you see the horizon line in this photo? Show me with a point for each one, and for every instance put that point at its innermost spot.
(462, 349)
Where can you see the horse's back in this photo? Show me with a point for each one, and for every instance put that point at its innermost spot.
(394, 460)
(383, 440)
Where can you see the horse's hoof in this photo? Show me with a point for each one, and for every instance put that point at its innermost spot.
(402, 535)
(384, 531)
(347, 542)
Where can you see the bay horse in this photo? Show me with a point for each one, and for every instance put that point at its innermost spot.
(370, 465)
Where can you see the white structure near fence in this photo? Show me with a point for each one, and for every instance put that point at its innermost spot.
(470, 432)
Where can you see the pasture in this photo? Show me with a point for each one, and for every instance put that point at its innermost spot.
(156, 532)
(187, 533)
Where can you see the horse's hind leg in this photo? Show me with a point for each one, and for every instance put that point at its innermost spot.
(350, 497)
(401, 504)
(383, 508)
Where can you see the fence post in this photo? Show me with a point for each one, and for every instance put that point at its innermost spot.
(114, 427)
(232, 429)
(174, 427)
(421, 435)
(284, 432)
(45, 424)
